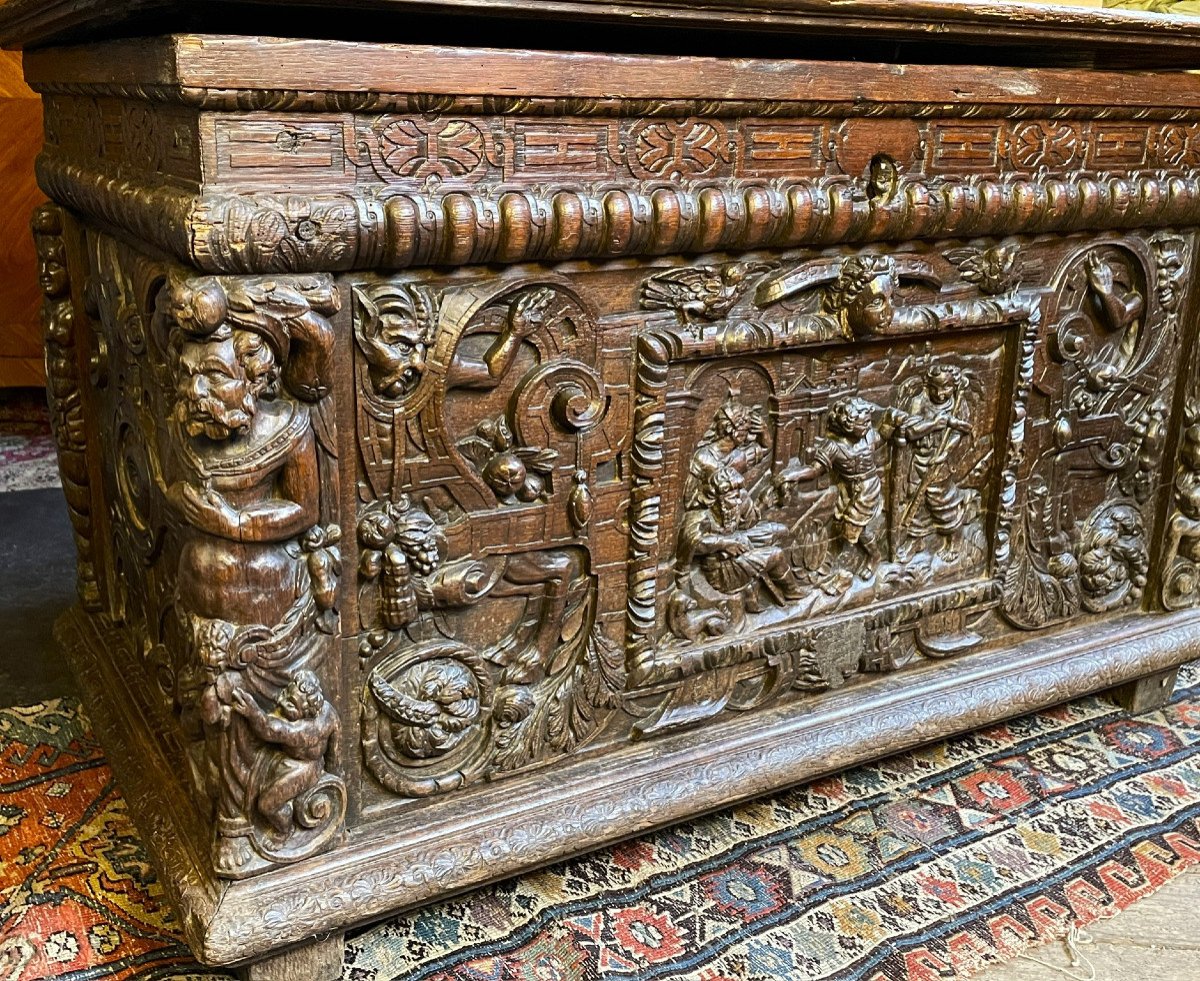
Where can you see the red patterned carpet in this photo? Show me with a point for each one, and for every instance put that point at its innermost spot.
(926, 865)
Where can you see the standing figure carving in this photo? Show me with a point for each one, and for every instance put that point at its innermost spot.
(933, 423)
(64, 390)
(258, 562)
(849, 454)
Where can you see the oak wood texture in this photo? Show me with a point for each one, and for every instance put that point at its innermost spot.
(1146, 694)
(320, 960)
(1131, 36)
(20, 299)
(478, 456)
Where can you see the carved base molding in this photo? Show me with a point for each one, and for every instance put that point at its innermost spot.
(543, 818)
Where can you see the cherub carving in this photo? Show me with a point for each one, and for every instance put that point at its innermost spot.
(301, 737)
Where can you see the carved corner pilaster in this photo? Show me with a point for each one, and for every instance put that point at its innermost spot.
(250, 484)
(64, 388)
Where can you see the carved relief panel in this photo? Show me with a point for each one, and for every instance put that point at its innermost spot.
(489, 425)
(605, 502)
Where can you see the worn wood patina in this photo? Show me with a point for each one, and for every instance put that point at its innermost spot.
(477, 456)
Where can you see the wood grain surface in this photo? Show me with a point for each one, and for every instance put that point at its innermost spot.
(1062, 31)
(20, 300)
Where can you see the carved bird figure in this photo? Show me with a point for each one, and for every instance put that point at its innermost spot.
(701, 293)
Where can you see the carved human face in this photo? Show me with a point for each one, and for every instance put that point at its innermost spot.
(733, 424)
(300, 699)
(851, 418)
(729, 495)
(874, 308)
(214, 395)
(52, 270)
(940, 385)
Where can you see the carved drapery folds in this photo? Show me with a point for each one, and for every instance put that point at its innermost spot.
(226, 555)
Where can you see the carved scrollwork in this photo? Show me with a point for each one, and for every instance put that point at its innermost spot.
(1079, 543)
(440, 713)
(511, 409)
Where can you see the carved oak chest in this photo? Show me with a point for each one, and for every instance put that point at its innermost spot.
(478, 456)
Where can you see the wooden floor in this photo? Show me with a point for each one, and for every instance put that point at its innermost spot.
(1157, 939)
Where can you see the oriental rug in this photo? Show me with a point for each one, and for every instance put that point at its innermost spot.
(927, 864)
(27, 458)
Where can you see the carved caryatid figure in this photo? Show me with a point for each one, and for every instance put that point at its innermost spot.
(257, 566)
(63, 388)
(848, 453)
(933, 423)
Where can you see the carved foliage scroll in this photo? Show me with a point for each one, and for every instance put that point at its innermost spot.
(484, 424)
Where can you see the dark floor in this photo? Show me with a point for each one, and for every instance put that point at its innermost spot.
(37, 583)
